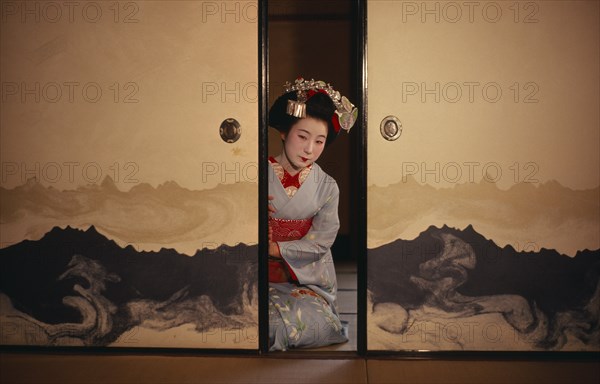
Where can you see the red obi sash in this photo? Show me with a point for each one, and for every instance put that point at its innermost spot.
(286, 230)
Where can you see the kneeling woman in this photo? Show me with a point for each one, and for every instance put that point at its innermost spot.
(303, 221)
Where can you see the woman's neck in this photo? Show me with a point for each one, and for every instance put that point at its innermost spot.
(283, 160)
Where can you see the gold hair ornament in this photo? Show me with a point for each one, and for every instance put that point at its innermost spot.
(346, 112)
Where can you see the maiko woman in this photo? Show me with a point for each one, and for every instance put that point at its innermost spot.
(303, 221)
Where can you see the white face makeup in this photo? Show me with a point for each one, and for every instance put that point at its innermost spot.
(304, 143)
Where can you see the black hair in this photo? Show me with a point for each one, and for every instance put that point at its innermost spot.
(319, 106)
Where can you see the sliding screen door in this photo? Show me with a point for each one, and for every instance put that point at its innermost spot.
(483, 175)
(129, 174)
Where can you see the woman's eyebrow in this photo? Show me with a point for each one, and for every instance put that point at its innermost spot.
(310, 134)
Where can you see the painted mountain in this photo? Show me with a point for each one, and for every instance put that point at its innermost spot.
(527, 216)
(76, 287)
(452, 289)
(146, 217)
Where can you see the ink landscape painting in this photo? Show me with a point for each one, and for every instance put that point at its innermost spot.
(452, 288)
(109, 284)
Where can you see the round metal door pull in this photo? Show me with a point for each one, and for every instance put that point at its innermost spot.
(391, 128)
(230, 130)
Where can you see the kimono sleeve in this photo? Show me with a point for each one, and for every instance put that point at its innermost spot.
(319, 239)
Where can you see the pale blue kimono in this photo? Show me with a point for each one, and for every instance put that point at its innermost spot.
(304, 315)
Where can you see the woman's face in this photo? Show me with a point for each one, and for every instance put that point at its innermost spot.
(305, 142)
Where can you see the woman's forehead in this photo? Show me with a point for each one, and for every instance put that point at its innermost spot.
(311, 126)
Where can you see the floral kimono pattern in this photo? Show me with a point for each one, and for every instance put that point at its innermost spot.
(302, 311)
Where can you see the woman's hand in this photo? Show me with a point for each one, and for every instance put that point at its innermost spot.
(272, 209)
(274, 250)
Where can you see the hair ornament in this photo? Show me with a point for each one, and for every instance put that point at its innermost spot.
(345, 115)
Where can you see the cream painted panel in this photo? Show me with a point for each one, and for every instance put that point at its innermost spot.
(521, 89)
(149, 82)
